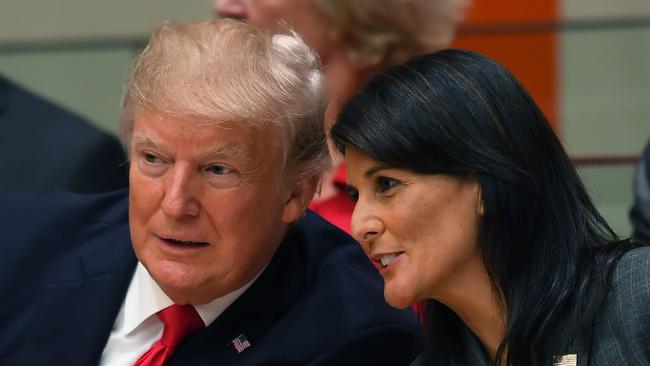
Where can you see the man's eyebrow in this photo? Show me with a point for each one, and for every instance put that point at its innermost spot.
(219, 149)
(225, 149)
(145, 140)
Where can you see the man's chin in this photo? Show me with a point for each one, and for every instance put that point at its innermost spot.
(179, 281)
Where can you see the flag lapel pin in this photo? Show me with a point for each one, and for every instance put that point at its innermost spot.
(240, 343)
(566, 360)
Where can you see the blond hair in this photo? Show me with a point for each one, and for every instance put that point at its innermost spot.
(226, 70)
(377, 33)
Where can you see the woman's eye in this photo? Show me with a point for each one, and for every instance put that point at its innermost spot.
(385, 183)
(219, 170)
(352, 193)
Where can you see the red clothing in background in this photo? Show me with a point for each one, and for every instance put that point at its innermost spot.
(338, 208)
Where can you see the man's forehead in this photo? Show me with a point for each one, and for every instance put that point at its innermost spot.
(214, 136)
(219, 147)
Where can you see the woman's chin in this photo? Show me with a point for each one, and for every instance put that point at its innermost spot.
(398, 300)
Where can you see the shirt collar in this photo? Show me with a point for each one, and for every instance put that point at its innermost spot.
(145, 298)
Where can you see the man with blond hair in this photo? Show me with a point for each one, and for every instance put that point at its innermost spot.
(211, 256)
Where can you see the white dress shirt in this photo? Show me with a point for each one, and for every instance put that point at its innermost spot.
(137, 327)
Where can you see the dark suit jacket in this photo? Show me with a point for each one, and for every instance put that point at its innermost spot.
(67, 261)
(42, 145)
(621, 331)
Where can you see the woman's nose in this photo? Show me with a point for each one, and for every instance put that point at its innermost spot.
(366, 225)
(235, 9)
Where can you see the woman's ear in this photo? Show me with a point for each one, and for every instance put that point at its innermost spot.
(480, 201)
(301, 192)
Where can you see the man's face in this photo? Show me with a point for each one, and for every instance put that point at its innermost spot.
(209, 204)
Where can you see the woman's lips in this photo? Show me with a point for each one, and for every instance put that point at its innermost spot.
(385, 260)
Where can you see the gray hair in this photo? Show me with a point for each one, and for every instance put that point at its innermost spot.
(225, 70)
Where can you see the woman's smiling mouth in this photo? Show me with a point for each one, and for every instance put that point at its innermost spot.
(386, 259)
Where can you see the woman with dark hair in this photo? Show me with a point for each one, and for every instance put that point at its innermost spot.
(467, 200)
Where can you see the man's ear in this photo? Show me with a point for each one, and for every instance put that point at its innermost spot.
(301, 192)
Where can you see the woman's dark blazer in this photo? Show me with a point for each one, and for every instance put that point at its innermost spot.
(640, 212)
(621, 331)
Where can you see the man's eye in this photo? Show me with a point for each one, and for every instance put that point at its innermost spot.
(221, 176)
(150, 158)
(150, 164)
(219, 170)
(385, 183)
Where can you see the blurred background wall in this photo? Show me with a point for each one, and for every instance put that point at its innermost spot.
(586, 62)
(78, 52)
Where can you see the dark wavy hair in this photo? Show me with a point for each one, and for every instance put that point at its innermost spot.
(548, 252)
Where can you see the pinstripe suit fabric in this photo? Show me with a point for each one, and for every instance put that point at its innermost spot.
(621, 331)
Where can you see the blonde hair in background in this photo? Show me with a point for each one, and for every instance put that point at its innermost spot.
(385, 32)
(225, 70)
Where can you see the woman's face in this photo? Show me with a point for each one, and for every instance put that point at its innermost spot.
(421, 229)
(301, 15)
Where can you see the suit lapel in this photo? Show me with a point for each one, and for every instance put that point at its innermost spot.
(563, 349)
(79, 307)
(252, 315)
(566, 356)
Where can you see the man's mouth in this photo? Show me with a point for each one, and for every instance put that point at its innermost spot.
(184, 243)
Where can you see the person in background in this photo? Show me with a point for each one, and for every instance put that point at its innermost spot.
(354, 40)
(210, 257)
(640, 212)
(45, 146)
(467, 200)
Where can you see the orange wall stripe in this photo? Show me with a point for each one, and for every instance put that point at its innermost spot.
(531, 56)
(505, 11)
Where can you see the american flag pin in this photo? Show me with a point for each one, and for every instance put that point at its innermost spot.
(240, 343)
(570, 359)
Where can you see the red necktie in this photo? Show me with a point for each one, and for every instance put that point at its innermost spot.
(180, 321)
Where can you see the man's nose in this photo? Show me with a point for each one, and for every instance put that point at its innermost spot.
(180, 195)
(229, 9)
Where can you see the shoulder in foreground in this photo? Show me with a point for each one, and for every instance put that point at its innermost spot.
(355, 325)
(626, 320)
(631, 284)
(23, 206)
(633, 271)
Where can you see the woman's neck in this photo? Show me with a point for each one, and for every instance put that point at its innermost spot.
(471, 297)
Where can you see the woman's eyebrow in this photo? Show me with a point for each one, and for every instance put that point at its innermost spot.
(373, 170)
